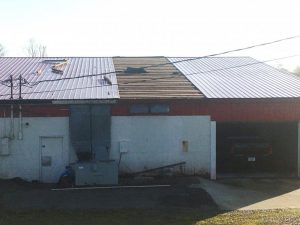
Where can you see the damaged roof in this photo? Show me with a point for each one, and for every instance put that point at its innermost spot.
(59, 78)
(111, 78)
(152, 78)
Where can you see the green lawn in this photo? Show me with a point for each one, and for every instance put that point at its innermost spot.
(153, 217)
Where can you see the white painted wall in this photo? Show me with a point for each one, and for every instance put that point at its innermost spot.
(154, 141)
(24, 158)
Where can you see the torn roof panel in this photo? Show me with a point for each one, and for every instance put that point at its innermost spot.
(64, 70)
(152, 78)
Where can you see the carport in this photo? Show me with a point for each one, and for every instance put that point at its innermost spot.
(280, 140)
(273, 121)
(247, 97)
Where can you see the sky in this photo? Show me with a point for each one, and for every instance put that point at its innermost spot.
(152, 28)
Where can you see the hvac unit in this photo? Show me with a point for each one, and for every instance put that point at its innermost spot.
(96, 173)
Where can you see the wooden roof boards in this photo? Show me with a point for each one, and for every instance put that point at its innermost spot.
(156, 82)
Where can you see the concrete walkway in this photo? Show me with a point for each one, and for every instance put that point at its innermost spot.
(251, 194)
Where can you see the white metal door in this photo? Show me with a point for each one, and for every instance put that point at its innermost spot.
(52, 164)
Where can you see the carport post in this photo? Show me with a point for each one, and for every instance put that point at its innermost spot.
(299, 149)
(213, 156)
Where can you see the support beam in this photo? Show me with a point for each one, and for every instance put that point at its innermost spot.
(213, 155)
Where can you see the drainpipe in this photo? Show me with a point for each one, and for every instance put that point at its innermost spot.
(20, 134)
(4, 125)
(11, 133)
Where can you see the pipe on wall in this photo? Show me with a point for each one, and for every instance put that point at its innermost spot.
(4, 124)
(11, 133)
(20, 133)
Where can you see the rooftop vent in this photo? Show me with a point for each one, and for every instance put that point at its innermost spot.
(135, 70)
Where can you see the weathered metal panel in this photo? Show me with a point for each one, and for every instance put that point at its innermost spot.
(35, 70)
(238, 77)
(100, 128)
(90, 130)
(80, 129)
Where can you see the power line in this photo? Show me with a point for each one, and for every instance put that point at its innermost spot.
(66, 89)
(158, 78)
(236, 50)
(215, 70)
(243, 65)
(168, 63)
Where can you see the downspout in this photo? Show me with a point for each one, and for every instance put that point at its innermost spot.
(4, 126)
(20, 134)
(11, 133)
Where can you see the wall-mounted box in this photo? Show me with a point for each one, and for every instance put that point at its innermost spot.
(185, 146)
(4, 146)
(123, 146)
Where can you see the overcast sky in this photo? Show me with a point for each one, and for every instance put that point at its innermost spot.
(151, 28)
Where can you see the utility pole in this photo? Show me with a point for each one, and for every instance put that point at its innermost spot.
(20, 87)
(21, 81)
(11, 81)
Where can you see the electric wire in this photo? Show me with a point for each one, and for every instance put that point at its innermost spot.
(158, 78)
(169, 63)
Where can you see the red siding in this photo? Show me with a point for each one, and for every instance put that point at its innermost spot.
(36, 110)
(222, 111)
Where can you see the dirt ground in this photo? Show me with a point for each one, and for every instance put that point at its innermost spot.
(16, 194)
(180, 204)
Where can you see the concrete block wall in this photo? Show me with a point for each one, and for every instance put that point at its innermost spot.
(151, 141)
(24, 158)
(154, 141)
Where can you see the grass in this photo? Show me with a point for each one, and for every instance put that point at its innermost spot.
(149, 217)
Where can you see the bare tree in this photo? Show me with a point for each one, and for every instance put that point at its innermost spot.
(282, 69)
(296, 71)
(2, 51)
(42, 50)
(35, 50)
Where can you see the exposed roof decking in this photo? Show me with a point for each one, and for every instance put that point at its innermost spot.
(91, 88)
(160, 82)
(238, 77)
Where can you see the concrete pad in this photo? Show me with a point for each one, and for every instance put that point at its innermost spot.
(251, 194)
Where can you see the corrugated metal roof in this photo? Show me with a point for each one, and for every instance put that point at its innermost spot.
(39, 69)
(160, 79)
(238, 77)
